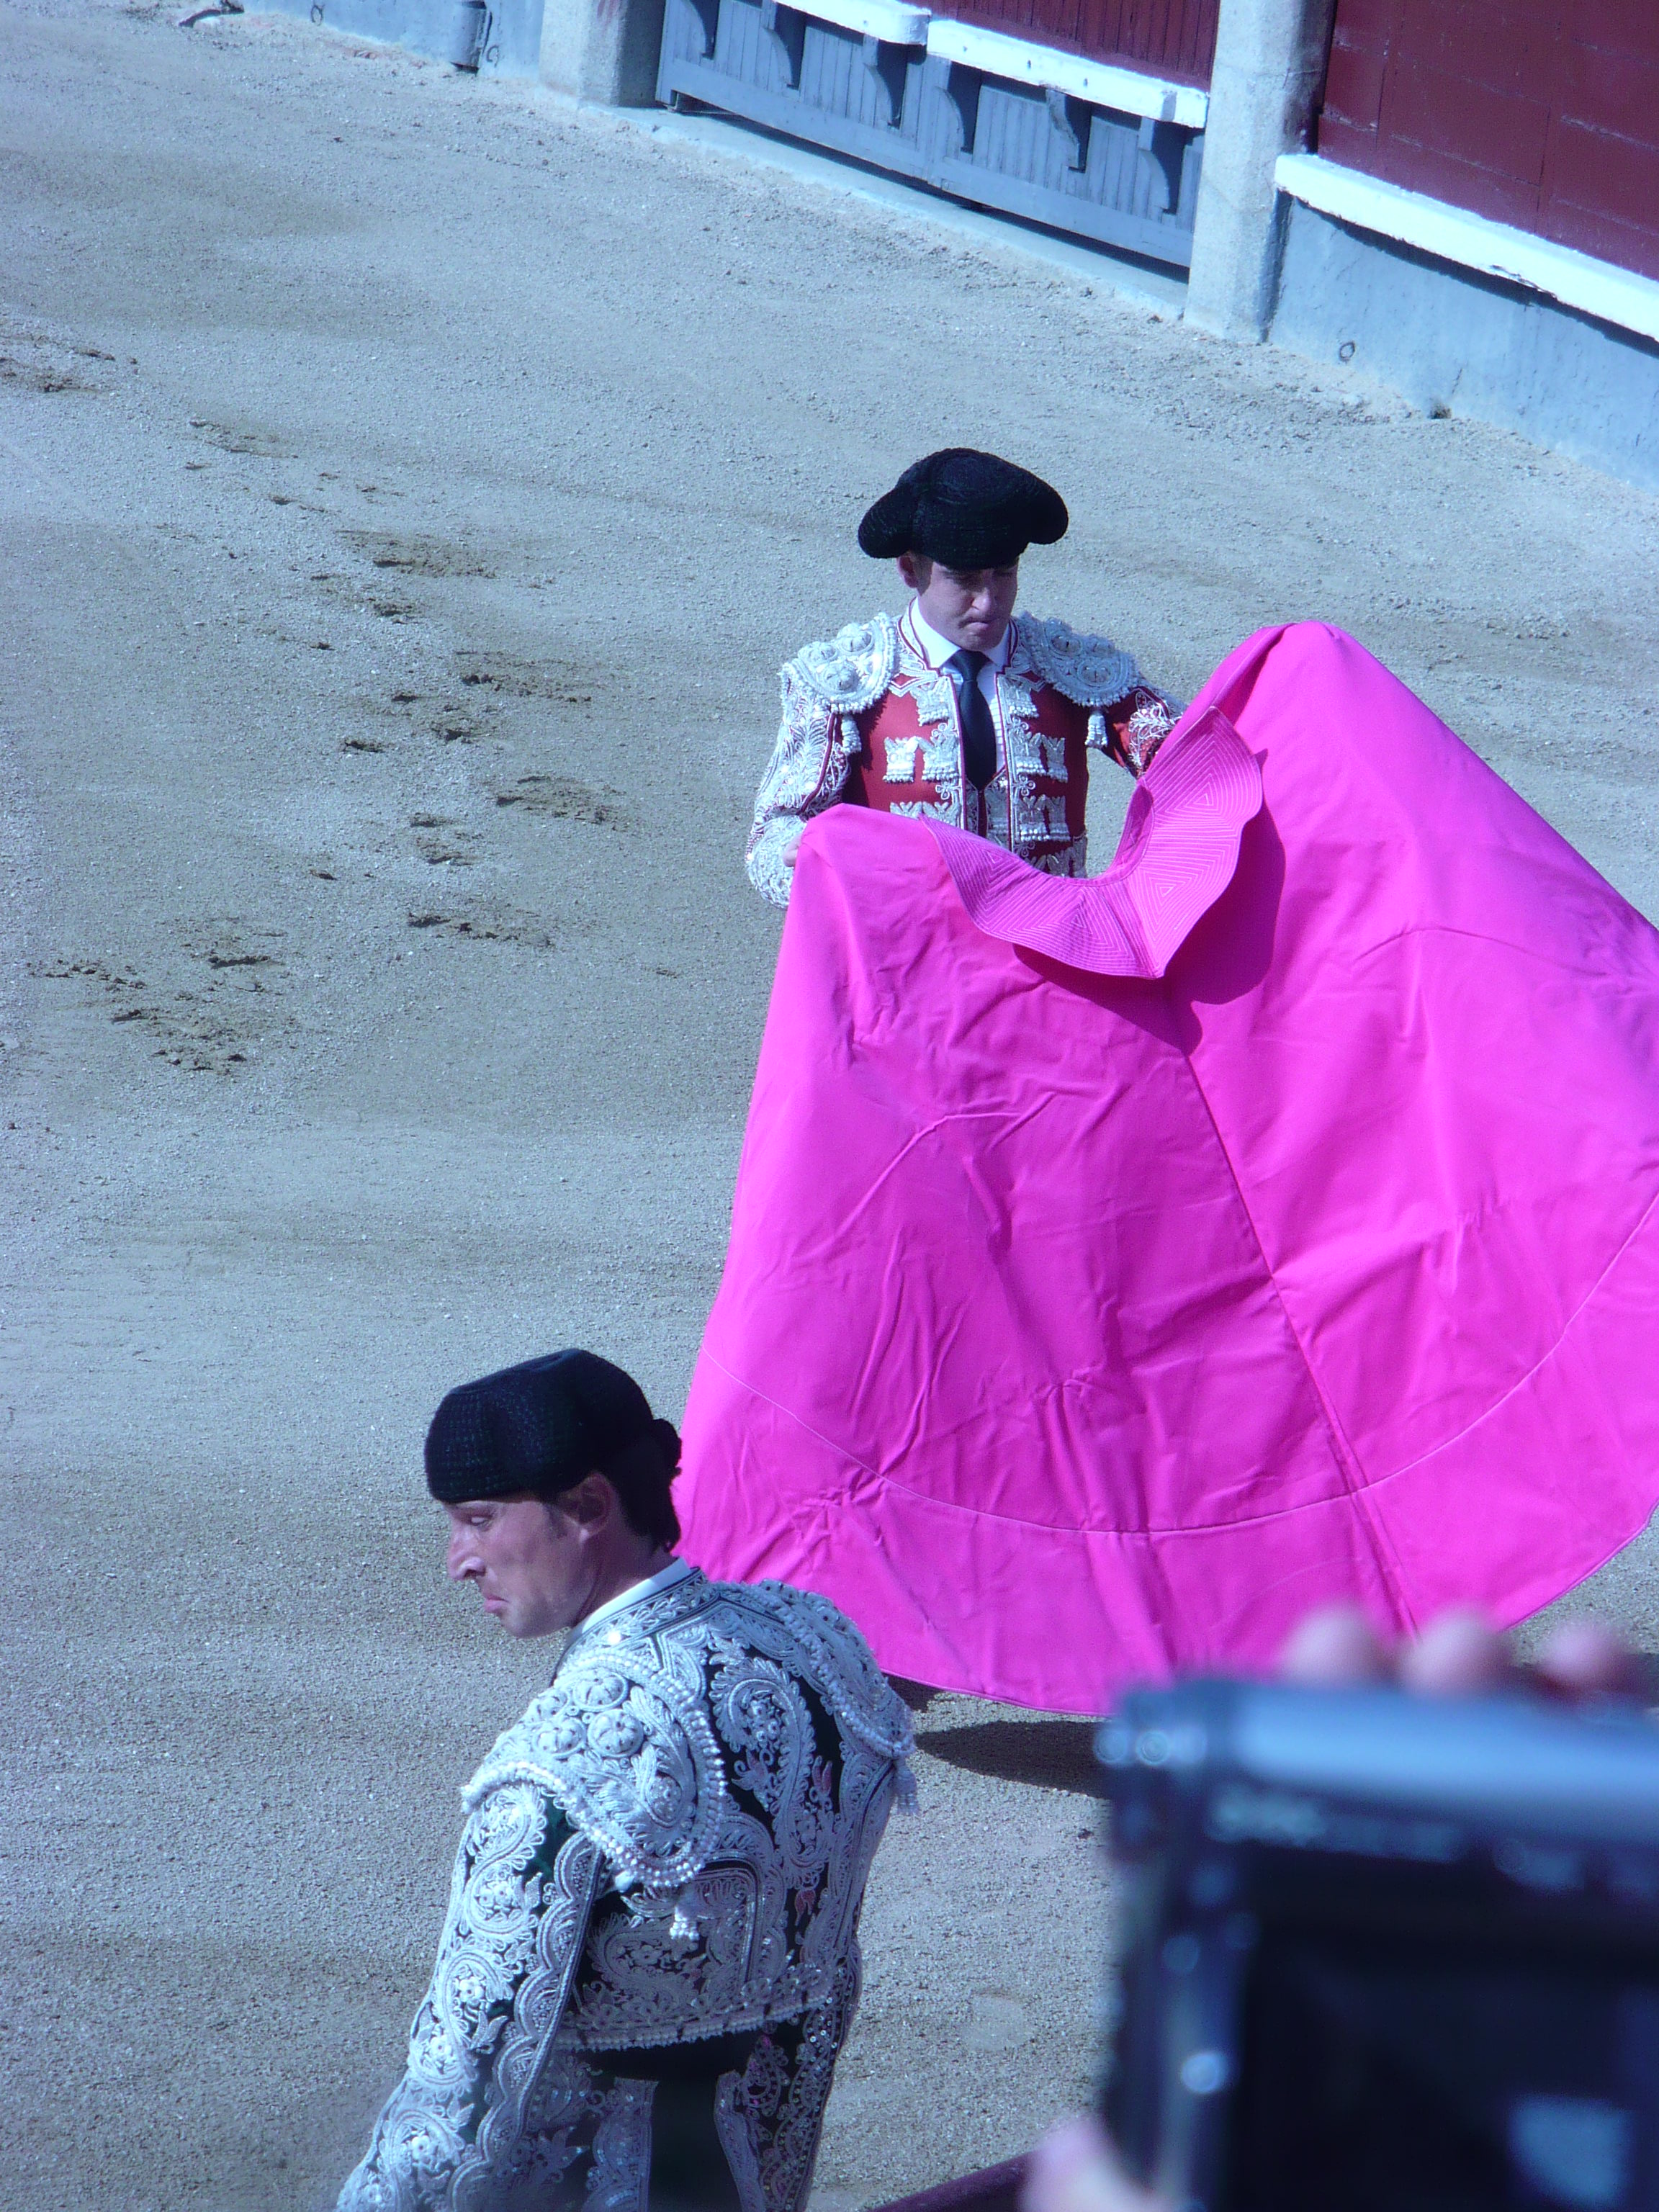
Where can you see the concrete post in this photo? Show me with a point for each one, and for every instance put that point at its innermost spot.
(603, 50)
(1269, 63)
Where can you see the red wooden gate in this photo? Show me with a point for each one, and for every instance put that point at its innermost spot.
(1173, 38)
(1544, 113)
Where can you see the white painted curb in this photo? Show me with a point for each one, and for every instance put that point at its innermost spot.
(1579, 280)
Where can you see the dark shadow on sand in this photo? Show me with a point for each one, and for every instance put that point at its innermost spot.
(1056, 1755)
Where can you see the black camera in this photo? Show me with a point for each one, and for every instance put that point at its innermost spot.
(1384, 1953)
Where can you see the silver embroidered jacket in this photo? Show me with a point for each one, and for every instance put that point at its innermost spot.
(827, 685)
(671, 1846)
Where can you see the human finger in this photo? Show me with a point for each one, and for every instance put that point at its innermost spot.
(1583, 1658)
(1075, 2168)
(1459, 1654)
(1336, 1647)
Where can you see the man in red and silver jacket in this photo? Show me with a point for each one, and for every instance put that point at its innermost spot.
(961, 710)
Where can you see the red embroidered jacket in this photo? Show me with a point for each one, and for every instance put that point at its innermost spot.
(867, 722)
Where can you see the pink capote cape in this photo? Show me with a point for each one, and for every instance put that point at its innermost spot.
(1118, 1267)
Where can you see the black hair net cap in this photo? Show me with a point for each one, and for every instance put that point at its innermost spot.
(967, 509)
(540, 1426)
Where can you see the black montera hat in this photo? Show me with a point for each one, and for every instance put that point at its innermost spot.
(969, 510)
(540, 1426)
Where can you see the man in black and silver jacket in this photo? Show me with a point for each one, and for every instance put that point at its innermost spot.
(650, 1960)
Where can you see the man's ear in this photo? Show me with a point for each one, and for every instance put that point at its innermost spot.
(916, 569)
(591, 1502)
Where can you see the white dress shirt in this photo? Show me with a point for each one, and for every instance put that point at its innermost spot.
(936, 650)
(982, 812)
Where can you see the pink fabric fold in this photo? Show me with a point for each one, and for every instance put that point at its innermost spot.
(1082, 1322)
(1178, 853)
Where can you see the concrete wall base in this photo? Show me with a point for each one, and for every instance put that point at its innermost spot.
(499, 38)
(1455, 341)
(603, 50)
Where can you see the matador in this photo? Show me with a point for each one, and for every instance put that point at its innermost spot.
(959, 710)
(650, 1960)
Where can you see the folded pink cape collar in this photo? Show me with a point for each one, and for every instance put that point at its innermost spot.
(1178, 851)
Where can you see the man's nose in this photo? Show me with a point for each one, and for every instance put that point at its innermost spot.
(461, 1560)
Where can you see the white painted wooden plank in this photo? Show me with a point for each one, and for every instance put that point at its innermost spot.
(899, 24)
(1103, 83)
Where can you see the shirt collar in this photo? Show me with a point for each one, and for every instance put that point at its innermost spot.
(675, 1572)
(936, 650)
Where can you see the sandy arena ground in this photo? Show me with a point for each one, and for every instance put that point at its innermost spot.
(410, 488)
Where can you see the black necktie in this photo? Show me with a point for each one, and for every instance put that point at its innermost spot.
(978, 737)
